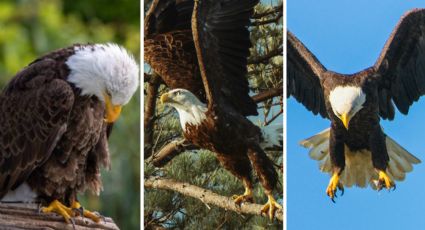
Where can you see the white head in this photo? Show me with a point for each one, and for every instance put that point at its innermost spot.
(106, 71)
(191, 110)
(346, 101)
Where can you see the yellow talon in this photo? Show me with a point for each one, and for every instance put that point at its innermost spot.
(270, 207)
(333, 186)
(60, 209)
(246, 197)
(86, 213)
(384, 180)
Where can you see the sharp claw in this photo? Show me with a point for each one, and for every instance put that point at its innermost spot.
(73, 223)
(333, 187)
(341, 188)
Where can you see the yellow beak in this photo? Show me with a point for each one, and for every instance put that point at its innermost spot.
(345, 120)
(112, 111)
(164, 98)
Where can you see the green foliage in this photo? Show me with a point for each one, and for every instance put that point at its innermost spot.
(201, 168)
(30, 28)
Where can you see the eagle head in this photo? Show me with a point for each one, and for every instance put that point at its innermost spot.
(346, 101)
(191, 110)
(106, 71)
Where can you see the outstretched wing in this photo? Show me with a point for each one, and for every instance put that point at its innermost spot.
(304, 76)
(222, 42)
(169, 47)
(402, 65)
(34, 109)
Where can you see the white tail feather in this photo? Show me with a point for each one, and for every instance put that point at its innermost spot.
(359, 170)
(272, 136)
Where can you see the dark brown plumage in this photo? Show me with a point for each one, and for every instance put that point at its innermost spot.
(202, 47)
(56, 116)
(50, 136)
(397, 78)
(170, 51)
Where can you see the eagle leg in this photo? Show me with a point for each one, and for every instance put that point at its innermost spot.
(384, 181)
(333, 186)
(246, 197)
(60, 209)
(90, 215)
(270, 207)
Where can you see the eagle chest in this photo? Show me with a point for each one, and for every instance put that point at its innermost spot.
(86, 122)
(202, 135)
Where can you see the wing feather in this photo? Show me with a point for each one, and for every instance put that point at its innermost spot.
(402, 65)
(222, 42)
(34, 110)
(304, 76)
(168, 15)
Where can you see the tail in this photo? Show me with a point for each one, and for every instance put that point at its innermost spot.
(272, 136)
(359, 170)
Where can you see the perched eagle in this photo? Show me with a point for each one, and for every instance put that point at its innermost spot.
(55, 118)
(355, 150)
(200, 50)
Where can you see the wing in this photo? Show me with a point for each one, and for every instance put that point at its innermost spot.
(168, 15)
(304, 76)
(169, 47)
(34, 110)
(222, 42)
(402, 65)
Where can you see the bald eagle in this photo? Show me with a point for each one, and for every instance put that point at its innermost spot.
(200, 50)
(56, 116)
(355, 150)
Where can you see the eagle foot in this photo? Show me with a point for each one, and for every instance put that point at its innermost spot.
(60, 209)
(270, 207)
(246, 197)
(78, 209)
(334, 186)
(385, 181)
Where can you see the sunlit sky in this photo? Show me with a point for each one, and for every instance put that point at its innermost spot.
(347, 36)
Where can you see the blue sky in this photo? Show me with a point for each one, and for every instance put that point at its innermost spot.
(347, 36)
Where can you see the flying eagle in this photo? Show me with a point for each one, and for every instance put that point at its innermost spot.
(355, 150)
(56, 116)
(200, 50)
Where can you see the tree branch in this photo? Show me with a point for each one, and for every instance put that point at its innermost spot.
(27, 216)
(169, 151)
(268, 21)
(274, 10)
(265, 95)
(265, 58)
(207, 197)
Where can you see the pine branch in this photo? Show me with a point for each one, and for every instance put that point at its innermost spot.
(171, 150)
(27, 216)
(268, 94)
(206, 196)
(268, 21)
(265, 58)
(274, 10)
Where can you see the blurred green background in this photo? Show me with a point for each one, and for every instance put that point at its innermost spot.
(30, 28)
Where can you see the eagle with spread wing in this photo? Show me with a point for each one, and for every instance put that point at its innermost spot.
(200, 50)
(56, 116)
(355, 150)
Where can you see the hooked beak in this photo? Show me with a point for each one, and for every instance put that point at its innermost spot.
(164, 98)
(345, 120)
(112, 111)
